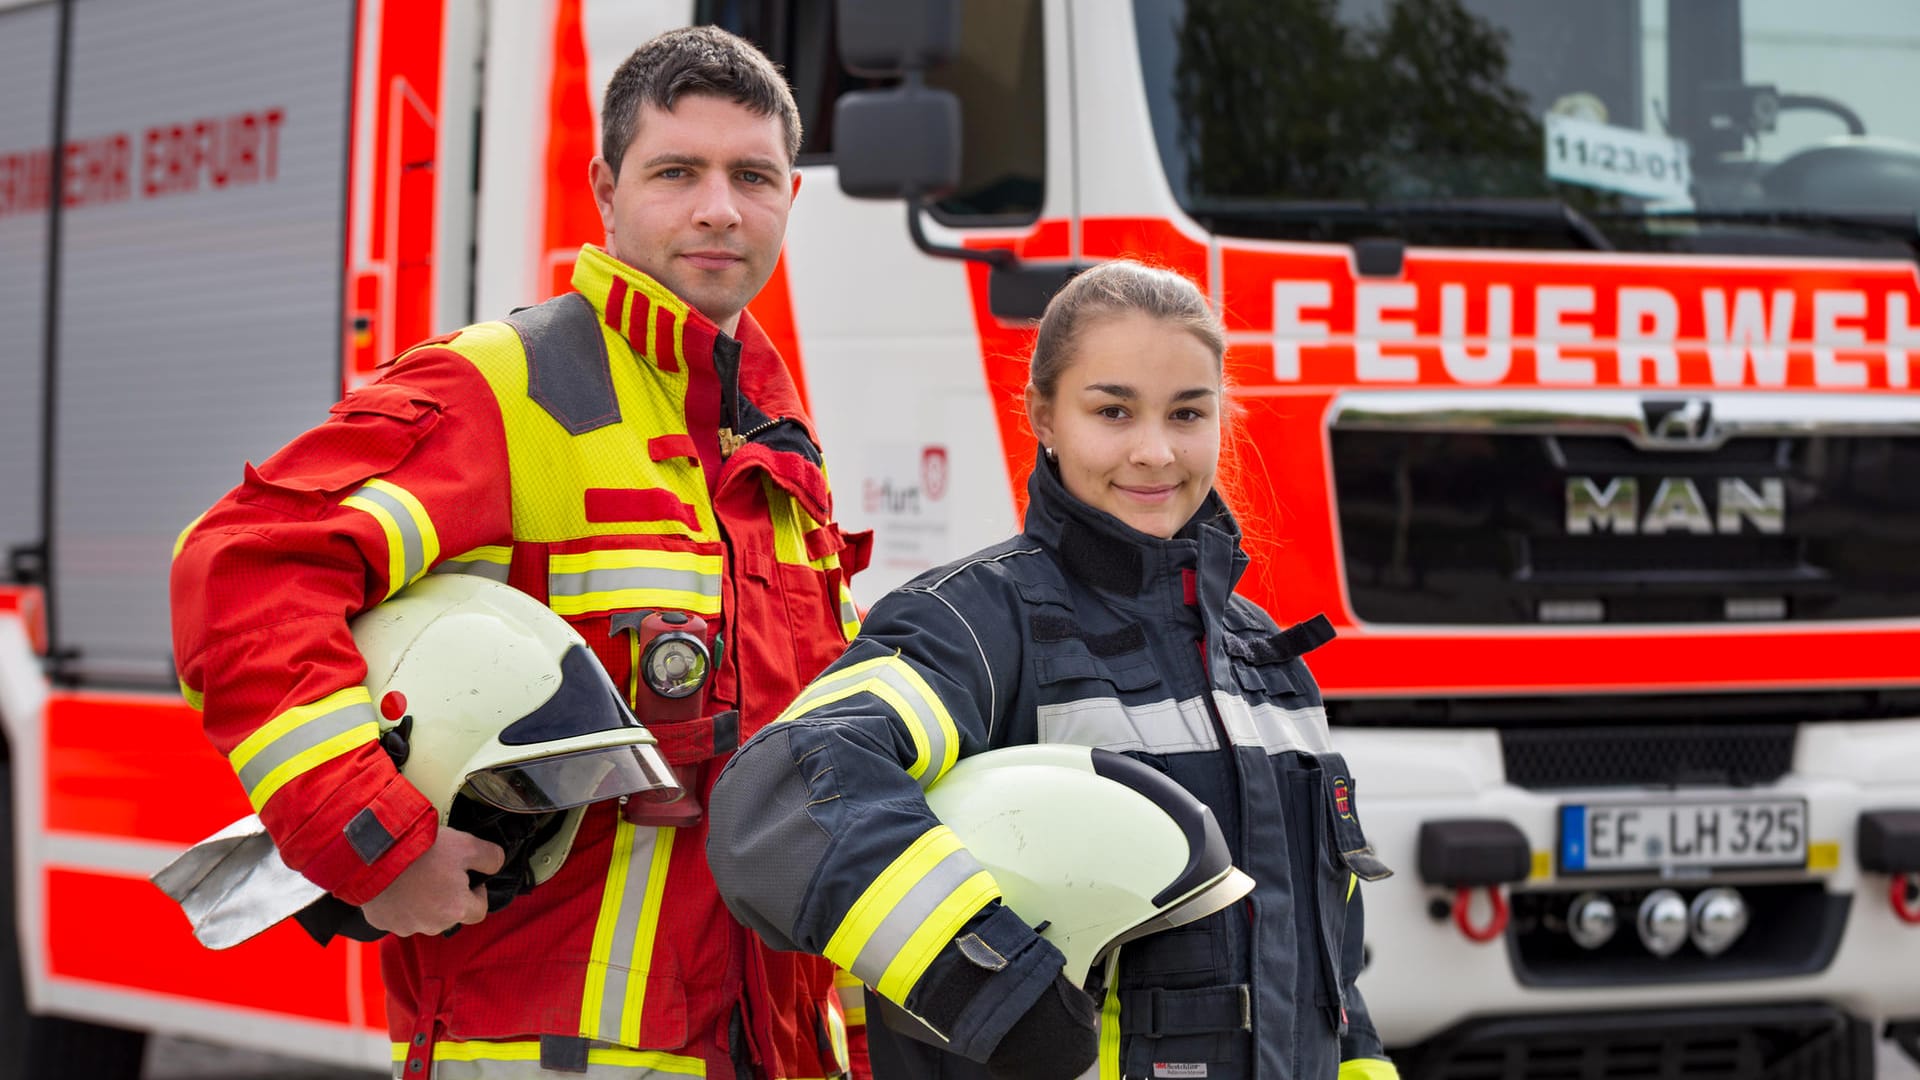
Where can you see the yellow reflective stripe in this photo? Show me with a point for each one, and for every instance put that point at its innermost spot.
(849, 613)
(501, 554)
(625, 933)
(1110, 1022)
(491, 561)
(481, 1050)
(837, 1036)
(195, 699)
(181, 540)
(828, 688)
(912, 961)
(597, 960)
(909, 912)
(301, 739)
(625, 579)
(1368, 1069)
(853, 995)
(412, 544)
(936, 741)
(1353, 882)
(642, 957)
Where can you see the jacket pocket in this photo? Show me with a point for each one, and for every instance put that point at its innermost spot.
(1193, 1030)
(1350, 850)
(1060, 662)
(368, 433)
(1270, 679)
(1345, 860)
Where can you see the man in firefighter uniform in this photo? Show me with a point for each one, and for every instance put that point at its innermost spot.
(633, 454)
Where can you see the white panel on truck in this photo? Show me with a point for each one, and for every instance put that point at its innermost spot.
(200, 290)
(26, 133)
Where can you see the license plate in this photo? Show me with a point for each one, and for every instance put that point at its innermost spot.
(1614, 837)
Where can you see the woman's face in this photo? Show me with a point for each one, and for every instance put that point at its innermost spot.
(1134, 421)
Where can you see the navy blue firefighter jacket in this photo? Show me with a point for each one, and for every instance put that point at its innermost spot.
(1080, 630)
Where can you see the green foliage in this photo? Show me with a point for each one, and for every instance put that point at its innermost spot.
(1286, 100)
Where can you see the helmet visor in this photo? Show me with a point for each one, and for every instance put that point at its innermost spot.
(563, 781)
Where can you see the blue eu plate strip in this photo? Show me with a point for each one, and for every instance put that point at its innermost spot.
(1573, 838)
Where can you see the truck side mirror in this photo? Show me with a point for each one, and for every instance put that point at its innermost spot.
(903, 142)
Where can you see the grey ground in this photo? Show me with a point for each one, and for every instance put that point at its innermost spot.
(183, 1059)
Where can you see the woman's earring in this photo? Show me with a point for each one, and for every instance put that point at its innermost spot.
(1051, 456)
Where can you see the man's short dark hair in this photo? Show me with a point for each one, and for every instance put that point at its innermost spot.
(693, 60)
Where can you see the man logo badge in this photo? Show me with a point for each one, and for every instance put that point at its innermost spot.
(1677, 506)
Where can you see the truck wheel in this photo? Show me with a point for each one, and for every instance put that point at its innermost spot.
(47, 1047)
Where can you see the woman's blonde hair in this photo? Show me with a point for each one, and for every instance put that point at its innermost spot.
(1117, 288)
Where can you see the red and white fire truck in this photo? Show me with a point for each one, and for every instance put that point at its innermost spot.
(1573, 348)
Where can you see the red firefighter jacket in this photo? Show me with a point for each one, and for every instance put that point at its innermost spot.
(629, 458)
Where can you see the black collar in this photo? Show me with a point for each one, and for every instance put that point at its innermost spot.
(1111, 556)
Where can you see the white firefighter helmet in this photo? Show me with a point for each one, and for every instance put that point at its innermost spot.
(498, 712)
(1092, 847)
(495, 709)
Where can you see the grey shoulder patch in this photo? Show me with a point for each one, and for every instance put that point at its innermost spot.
(567, 366)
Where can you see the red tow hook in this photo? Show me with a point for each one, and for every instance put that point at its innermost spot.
(1907, 909)
(1496, 923)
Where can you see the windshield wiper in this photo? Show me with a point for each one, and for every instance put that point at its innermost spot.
(1896, 226)
(1536, 215)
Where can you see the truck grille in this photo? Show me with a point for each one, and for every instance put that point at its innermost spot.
(1534, 510)
(1742, 755)
(1762, 1042)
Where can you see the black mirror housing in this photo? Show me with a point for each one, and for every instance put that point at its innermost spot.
(903, 142)
(882, 38)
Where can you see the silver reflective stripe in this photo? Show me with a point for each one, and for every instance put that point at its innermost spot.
(1272, 728)
(303, 738)
(634, 577)
(923, 712)
(1162, 727)
(492, 571)
(913, 910)
(853, 996)
(926, 717)
(447, 1069)
(626, 930)
(415, 561)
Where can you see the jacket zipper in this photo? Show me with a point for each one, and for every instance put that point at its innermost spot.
(729, 442)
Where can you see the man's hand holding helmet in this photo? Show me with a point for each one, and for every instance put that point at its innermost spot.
(496, 710)
(436, 892)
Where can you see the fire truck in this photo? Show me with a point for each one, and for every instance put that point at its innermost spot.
(1572, 353)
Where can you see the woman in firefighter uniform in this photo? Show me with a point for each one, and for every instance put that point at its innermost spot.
(635, 457)
(1110, 621)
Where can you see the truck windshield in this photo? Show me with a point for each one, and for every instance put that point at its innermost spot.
(1681, 124)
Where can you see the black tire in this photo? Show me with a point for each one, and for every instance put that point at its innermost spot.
(48, 1047)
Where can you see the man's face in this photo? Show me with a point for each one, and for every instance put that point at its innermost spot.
(701, 202)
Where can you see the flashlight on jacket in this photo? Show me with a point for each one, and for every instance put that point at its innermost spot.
(672, 667)
(674, 664)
